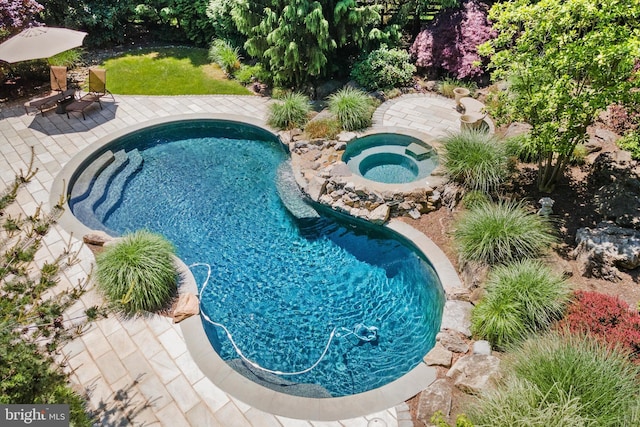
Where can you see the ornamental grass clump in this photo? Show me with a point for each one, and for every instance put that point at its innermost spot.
(563, 373)
(225, 55)
(521, 298)
(137, 274)
(291, 111)
(476, 160)
(353, 108)
(497, 233)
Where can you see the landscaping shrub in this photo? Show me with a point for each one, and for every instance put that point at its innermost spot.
(473, 198)
(384, 69)
(519, 403)
(137, 274)
(602, 381)
(501, 232)
(291, 111)
(631, 142)
(353, 108)
(450, 42)
(328, 128)
(521, 298)
(225, 55)
(475, 159)
(248, 73)
(606, 317)
(521, 147)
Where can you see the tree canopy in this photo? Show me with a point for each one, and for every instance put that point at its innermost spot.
(298, 40)
(564, 62)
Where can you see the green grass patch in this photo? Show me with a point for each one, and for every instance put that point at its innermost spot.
(168, 71)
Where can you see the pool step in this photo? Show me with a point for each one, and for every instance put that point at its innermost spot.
(82, 186)
(417, 151)
(117, 173)
(114, 191)
(291, 195)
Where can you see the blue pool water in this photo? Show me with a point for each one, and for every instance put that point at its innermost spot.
(383, 157)
(281, 285)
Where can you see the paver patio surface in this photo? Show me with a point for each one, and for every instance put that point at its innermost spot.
(139, 369)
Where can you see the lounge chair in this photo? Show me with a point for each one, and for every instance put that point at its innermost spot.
(60, 92)
(97, 89)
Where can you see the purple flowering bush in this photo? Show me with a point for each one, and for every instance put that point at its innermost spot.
(16, 14)
(450, 43)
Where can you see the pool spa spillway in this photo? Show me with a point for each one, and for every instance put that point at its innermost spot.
(391, 158)
(313, 305)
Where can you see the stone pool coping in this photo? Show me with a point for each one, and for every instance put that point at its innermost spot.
(216, 369)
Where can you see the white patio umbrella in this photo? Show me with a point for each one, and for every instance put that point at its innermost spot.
(39, 42)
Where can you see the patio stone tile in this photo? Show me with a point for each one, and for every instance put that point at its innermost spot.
(189, 368)
(201, 416)
(291, 422)
(122, 343)
(183, 394)
(258, 418)
(96, 342)
(99, 393)
(173, 342)
(133, 326)
(230, 416)
(138, 366)
(158, 324)
(147, 418)
(211, 394)
(147, 343)
(171, 416)
(164, 366)
(154, 391)
(111, 367)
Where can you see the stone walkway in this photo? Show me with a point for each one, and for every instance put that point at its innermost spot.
(139, 371)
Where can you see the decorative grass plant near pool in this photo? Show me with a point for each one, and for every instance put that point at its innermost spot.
(353, 108)
(563, 380)
(289, 112)
(521, 298)
(495, 233)
(137, 274)
(475, 159)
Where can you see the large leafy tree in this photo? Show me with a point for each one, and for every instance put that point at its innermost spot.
(297, 40)
(564, 61)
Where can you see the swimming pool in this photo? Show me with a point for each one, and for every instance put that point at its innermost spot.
(292, 291)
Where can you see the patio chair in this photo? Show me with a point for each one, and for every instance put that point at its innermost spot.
(60, 92)
(97, 89)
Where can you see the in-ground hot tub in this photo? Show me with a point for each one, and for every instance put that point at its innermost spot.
(391, 158)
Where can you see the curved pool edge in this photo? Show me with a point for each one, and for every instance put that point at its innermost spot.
(327, 409)
(216, 369)
(60, 185)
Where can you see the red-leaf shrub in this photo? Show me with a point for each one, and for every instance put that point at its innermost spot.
(450, 42)
(605, 317)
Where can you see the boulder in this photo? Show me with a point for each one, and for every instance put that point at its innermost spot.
(457, 316)
(96, 238)
(379, 215)
(482, 347)
(616, 183)
(517, 128)
(604, 249)
(316, 188)
(187, 306)
(475, 373)
(452, 341)
(439, 356)
(436, 397)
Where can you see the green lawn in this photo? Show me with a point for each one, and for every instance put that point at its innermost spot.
(168, 71)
